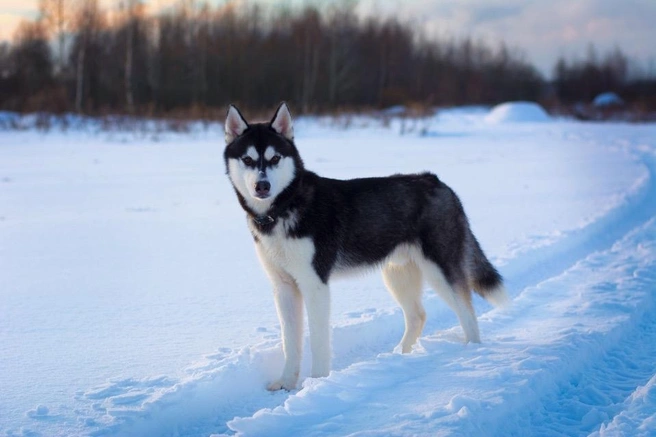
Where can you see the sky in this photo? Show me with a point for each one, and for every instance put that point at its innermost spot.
(542, 29)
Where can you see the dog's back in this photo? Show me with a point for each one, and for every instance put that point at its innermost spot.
(360, 222)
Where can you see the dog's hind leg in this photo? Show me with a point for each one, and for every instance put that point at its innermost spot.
(457, 296)
(404, 283)
(465, 312)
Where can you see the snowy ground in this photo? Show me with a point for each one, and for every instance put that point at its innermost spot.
(132, 302)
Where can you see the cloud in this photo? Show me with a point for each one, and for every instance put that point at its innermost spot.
(543, 29)
(547, 30)
(18, 7)
(12, 12)
(489, 13)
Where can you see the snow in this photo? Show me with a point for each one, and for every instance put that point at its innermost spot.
(394, 110)
(517, 112)
(607, 99)
(637, 416)
(132, 302)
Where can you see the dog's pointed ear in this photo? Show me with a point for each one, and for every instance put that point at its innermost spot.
(282, 122)
(235, 124)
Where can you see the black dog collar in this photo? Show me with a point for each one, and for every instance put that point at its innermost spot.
(263, 220)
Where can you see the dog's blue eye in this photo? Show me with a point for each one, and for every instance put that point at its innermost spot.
(247, 160)
(275, 160)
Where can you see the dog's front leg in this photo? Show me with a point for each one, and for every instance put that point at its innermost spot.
(317, 302)
(289, 305)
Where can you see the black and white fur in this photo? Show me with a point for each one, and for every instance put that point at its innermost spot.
(308, 228)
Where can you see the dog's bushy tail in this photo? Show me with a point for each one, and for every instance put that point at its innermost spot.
(483, 278)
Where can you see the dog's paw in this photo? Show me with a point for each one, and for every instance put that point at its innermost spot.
(281, 385)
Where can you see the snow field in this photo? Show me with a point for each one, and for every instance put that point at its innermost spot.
(155, 245)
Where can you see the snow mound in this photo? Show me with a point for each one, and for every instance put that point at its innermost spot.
(514, 112)
(607, 99)
(395, 110)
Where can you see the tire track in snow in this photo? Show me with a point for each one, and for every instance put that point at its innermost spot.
(536, 266)
(596, 393)
(638, 416)
(589, 369)
(232, 386)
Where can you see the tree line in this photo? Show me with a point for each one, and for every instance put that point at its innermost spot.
(582, 79)
(194, 59)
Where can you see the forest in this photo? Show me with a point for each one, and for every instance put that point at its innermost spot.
(192, 59)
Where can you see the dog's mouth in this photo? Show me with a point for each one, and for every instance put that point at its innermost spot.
(262, 196)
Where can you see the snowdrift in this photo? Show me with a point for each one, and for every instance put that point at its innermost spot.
(607, 99)
(517, 112)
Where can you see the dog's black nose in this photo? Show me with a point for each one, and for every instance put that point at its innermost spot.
(262, 187)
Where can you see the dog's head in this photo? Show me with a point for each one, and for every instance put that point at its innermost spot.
(261, 159)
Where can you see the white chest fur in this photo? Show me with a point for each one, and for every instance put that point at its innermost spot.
(276, 249)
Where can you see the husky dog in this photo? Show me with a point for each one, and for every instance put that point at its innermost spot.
(308, 228)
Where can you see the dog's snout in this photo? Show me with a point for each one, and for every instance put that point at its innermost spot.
(262, 187)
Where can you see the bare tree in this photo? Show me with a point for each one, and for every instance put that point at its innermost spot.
(55, 16)
(133, 10)
(202, 38)
(30, 66)
(87, 23)
(342, 29)
(308, 31)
